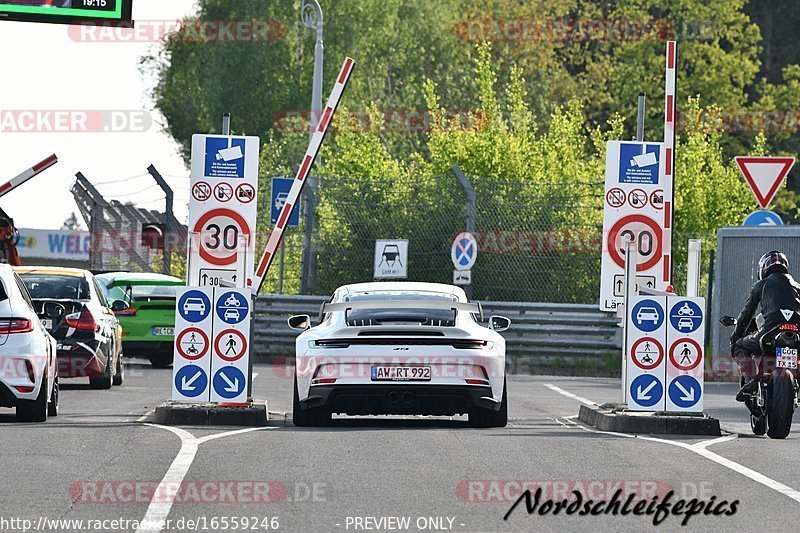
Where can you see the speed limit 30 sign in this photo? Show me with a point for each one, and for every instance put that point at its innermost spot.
(222, 216)
(636, 210)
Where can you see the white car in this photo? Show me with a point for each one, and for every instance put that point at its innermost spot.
(400, 348)
(28, 368)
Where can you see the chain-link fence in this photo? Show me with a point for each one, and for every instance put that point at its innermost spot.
(538, 242)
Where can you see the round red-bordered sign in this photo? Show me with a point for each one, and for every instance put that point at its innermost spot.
(245, 193)
(201, 191)
(200, 228)
(223, 192)
(657, 199)
(637, 198)
(615, 197)
(185, 353)
(619, 227)
(693, 365)
(242, 341)
(656, 344)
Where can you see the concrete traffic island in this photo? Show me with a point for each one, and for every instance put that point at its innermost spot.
(616, 417)
(254, 414)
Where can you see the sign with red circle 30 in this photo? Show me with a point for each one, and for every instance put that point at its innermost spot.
(192, 343)
(647, 353)
(230, 345)
(646, 235)
(690, 351)
(219, 231)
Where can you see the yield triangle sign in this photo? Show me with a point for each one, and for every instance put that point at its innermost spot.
(764, 175)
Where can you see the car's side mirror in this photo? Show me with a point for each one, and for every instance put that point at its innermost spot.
(119, 305)
(54, 310)
(499, 323)
(727, 321)
(300, 322)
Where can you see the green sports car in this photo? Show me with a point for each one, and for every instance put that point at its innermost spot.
(148, 325)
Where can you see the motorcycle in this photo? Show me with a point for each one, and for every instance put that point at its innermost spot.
(774, 401)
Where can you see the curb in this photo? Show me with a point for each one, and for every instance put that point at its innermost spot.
(610, 417)
(179, 414)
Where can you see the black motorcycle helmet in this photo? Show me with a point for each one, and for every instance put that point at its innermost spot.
(770, 262)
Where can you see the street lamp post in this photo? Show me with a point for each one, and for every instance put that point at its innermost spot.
(312, 19)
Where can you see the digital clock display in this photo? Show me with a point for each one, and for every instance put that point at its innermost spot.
(117, 12)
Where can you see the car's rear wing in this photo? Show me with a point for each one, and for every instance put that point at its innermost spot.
(471, 307)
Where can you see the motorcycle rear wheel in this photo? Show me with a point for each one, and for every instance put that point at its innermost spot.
(780, 406)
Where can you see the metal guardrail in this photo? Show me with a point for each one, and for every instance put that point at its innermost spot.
(541, 335)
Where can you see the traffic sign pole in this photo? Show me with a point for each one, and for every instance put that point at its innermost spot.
(693, 268)
(317, 137)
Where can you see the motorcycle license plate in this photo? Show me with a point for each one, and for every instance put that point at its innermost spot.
(786, 358)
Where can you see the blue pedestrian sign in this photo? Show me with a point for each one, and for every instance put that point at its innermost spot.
(232, 307)
(647, 315)
(762, 217)
(684, 391)
(194, 306)
(638, 163)
(229, 382)
(686, 316)
(647, 390)
(225, 157)
(191, 381)
(280, 192)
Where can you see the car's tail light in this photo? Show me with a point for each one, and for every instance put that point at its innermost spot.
(83, 320)
(323, 381)
(127, 312)
(15, 325)
(476, 382)
(24, 389)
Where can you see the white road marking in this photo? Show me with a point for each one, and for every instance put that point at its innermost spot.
(167, 490)
(569, 394)
(700, 448)
(145, 416)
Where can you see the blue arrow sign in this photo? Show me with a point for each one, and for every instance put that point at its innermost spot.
(647, 390)
(647, 315)
(686, 316)
(280, 192)
(229, 382)
(762, 217)
(191, 381)
(232, 307)
(194, 306)
(684, 391)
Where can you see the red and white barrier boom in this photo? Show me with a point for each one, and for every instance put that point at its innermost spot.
(300, 179)
(35, 170)
(670, 116)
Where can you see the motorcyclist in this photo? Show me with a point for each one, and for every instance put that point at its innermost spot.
(774, 290)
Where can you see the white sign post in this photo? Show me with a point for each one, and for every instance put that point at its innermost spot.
(230, 347)
(191, 365)
(222, 210)
(391, 259)
(634, 210)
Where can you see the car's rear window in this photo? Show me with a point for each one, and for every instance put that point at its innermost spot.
(389, 316)
(56, 287)
(152, 291)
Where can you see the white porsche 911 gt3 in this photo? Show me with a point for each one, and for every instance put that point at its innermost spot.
(400, 348)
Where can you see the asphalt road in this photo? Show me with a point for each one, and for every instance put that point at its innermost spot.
(101, 461)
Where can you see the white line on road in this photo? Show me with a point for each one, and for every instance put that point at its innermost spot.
(700, 448)
(569, 394)
(167, 490)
